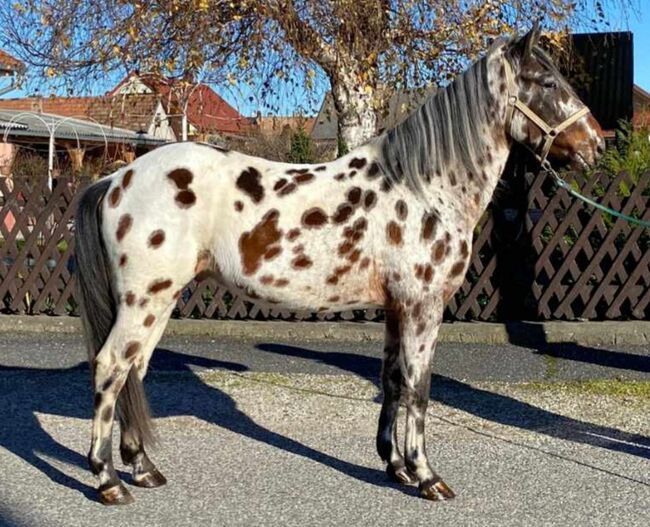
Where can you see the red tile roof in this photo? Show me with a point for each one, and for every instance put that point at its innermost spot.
(276, 124)
(206, 110)
(133, 112)
(9, 63)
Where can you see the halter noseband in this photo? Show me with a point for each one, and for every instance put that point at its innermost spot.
(549, 133)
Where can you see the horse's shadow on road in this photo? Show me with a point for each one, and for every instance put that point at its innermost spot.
(66, 392)
(28, 392)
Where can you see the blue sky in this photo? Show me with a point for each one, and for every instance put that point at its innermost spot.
(641, 29)
(244, 98)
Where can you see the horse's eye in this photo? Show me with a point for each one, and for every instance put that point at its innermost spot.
(550, 84)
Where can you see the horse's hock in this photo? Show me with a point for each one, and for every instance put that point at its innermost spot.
(540, 255)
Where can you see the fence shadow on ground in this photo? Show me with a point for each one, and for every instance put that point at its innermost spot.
(66, 392)
(531, 334)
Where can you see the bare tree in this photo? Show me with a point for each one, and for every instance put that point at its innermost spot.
(364, 49)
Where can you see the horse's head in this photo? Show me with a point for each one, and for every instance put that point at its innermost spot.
(559, 124)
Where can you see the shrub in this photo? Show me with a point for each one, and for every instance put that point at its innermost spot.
(301, 148)
(631, 153)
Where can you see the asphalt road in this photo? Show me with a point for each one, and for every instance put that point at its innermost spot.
(476, 362)
(268, 434)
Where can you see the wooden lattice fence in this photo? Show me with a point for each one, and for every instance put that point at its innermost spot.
(564, 261)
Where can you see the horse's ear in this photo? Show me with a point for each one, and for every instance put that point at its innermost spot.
(525, 45)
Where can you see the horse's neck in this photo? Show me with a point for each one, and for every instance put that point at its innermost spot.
(473, 192)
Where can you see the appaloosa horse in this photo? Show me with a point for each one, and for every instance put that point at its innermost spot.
(389, 225)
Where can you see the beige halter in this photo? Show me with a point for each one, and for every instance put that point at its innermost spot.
(549, 132)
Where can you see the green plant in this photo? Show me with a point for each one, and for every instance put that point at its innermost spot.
(301, 148)
(631, 153)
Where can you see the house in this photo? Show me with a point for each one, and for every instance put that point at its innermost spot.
(10, 67)
(400, 105)
(66, 140)
(277, 125)
(641, 104)
(138, 113)
(205, 114)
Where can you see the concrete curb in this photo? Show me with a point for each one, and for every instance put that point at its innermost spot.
(606, 333)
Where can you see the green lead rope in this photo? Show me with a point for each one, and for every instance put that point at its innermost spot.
(563, 184)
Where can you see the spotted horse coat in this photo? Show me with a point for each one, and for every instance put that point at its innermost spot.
(387, 226)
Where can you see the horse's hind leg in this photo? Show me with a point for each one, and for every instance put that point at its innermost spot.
(128, 343)
(111, 368)
(419, 332)
(132, 452)
(391, 377)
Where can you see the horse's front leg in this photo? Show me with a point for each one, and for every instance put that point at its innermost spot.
(419, 331)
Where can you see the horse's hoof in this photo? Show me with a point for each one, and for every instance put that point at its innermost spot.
(150, 479)
(436, 490)
(400, 475)
(115, 495)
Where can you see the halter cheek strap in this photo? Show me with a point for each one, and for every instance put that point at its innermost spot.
(549, 133)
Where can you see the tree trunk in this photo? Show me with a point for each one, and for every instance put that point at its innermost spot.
(357, 119)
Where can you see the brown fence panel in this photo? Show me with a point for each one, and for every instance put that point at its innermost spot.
(589, 264)
(582, 264)
(37, 246)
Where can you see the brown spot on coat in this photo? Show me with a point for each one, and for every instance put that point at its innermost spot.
(457, 268)
(365, 262)
(428, 226)
(354, 195)
(159, 285)
(288, 189)
(314, 218)
(257, 243)
(464, 249)
(273, 252)
(281, 282)
(185, 199)
(369, 199)
(358, 163)
(181, 178)
(239, 206)
(343, 213)
(107, 414)
(123, 260)
(401, 209)
(123, 226)
(301, 262)
(129, 298)
(143, 302)
(438, 250)
(334, 298)
(293, 234)
(373, 170)
(156, 238)
(249, 182)
(394, 233)
(428, 273)
(267, 279)
(297, 171)
(320, 168)
(303, 178)
(132, 349)
(149, 320)
(279, 184)
(126, 180)
(114, 197)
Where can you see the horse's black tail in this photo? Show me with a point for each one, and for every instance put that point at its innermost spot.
(98, 308)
